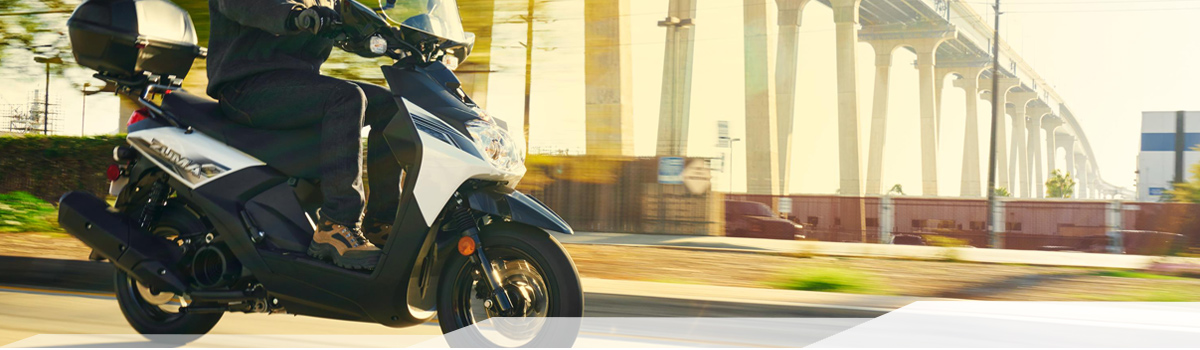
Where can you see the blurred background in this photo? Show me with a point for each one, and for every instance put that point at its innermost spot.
(787, 144)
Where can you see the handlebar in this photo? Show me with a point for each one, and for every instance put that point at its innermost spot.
(360, 23)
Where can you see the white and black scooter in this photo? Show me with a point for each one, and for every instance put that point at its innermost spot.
(209, 219)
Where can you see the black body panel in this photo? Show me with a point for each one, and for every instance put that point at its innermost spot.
(518, 207)
(280, 218)
(131, 249)
(435, 88)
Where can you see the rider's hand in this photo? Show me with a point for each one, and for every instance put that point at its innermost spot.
(316, 19)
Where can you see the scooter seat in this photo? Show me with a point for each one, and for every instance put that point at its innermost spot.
(292, 152)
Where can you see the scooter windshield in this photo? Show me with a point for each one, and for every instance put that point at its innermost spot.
(435, 17)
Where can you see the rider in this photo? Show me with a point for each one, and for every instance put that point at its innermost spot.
(264, 68)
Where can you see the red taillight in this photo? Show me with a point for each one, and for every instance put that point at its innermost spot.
(113, 173)
(139, 115)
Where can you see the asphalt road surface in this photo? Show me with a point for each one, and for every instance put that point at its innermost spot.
(31, 317)
(40, 318)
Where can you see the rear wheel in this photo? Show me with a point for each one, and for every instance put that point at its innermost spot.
(151, 311)
(537, 274)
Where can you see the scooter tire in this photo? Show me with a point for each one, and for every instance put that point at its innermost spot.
(143, 316)
(565, 303)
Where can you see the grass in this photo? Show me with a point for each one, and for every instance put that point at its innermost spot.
(829, 279)
(1169, 294)
(22, 212)
(1135, 274)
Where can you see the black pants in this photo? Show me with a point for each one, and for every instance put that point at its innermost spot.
(282, 100)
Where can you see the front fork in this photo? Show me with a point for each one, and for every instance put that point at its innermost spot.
(497, 299)
(494, 295)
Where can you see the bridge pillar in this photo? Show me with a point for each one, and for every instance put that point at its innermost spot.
(970, 164)
(1093, 183)
(845, 18)
(926, 51)
(790, 12)
(608, 71)
(1081, 165)
(1034, 163)
(883, 65)
(762, 166)
(851, 207)
(1005, 84)
(1050, 124)
(1016, 149)
(939, 84)
(1067, 143)
(924, 39)
(674, 113)
(1019, 159)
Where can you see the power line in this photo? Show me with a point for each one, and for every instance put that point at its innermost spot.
(1105, 10)
(1087, 2)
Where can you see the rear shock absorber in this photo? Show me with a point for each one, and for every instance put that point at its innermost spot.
(155, 201)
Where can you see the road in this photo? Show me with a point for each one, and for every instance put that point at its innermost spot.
(42, 299)
(32, 317)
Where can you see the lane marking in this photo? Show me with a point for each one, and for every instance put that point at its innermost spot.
(55, 291)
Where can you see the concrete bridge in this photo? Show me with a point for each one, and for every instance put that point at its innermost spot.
(949, 38)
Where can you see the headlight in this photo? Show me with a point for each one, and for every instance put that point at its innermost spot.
(377, 44)
(496, 146)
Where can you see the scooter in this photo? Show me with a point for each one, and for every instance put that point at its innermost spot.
(206, 222)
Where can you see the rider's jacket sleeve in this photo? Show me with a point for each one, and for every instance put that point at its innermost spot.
(268, 15)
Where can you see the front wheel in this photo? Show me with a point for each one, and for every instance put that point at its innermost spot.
(534, 270)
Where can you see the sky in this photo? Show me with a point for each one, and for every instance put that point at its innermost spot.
(1109, 59)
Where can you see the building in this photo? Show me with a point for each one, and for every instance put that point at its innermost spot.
(1169, 141)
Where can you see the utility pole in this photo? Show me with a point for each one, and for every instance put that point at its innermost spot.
(528, 68)
(991, 185)
(731, 143)
(83, 117)
(46, 102)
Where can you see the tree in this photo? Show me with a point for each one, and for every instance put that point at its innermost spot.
(1187, 192)
(32, 28)
(1002, 192)
(1060, 185)
(897, 189)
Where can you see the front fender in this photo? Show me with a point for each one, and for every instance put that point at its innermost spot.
(518, 207)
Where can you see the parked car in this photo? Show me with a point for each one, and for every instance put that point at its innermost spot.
(756, 220)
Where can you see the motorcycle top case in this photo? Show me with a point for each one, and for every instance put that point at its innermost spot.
(125, 38)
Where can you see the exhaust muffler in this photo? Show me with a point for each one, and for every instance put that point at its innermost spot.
(144, 256)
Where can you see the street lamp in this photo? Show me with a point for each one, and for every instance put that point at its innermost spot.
(46, 110)
(731, 141)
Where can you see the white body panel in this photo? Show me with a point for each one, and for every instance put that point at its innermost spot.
(445, 167)
(192, 158)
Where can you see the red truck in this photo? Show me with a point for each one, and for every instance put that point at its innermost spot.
(756, 220)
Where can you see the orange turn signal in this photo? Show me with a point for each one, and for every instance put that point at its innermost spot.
(466, 246)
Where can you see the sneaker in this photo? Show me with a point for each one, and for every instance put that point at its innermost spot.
(344, 245)
(377, 232)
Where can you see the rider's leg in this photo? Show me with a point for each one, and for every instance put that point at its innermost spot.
(383, 172)
(295, 99)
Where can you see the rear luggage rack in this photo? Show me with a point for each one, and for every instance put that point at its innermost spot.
(143, 90)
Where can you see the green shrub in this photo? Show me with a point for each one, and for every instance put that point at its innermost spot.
(840, 280)
(945, 241)
(1136, 274)
(49, 166)
(22, 212)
